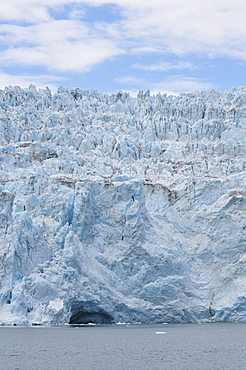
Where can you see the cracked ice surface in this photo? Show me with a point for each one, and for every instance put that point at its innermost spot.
(120, 209)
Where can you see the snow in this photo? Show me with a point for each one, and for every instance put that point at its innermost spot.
(118, 209)
(56, 305)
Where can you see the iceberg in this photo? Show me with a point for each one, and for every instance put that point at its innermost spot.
(116, 209)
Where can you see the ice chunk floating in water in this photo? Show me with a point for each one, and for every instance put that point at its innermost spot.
(119, 209)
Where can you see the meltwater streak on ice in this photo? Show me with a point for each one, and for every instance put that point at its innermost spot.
(119, 209)
(183, 347)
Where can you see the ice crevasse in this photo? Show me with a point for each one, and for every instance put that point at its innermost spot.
(120, 209)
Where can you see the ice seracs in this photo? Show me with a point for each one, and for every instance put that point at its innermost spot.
(120, 209)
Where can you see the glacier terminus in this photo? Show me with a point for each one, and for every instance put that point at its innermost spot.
(117, 209)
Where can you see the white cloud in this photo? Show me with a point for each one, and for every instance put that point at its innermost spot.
(175, 85)
(182, 27)
(147, 50)
(70, 56)
(64, 46)
(164, 66)
(40, 81)
(77, 14)
(190, 26)
(214, 28)
(34, 11)
(27, 11)
(130, 80)
(176, 26)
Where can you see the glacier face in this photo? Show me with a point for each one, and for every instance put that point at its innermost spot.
(121, 209)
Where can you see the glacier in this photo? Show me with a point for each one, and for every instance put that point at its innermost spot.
(117, 209)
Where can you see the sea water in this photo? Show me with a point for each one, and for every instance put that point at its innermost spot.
(177, 346)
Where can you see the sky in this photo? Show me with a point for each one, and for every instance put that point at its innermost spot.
(167, 46)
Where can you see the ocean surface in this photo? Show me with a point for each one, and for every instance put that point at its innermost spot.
(177, 346)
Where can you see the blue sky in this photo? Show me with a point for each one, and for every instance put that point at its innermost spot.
(171, 46)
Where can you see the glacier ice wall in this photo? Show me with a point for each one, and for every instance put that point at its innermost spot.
(121, 209)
